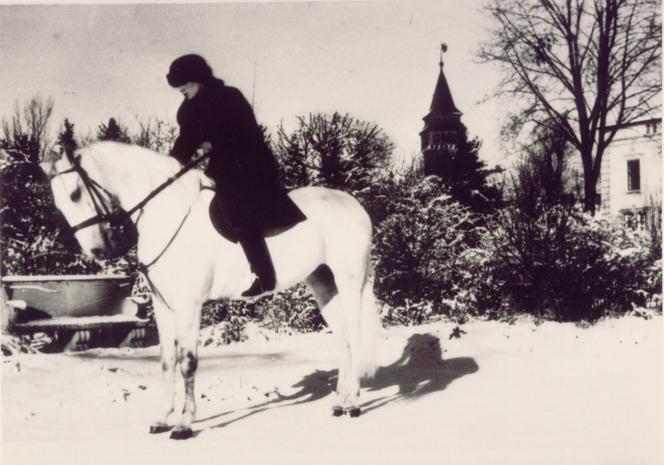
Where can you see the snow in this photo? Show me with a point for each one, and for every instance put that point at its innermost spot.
(499, 394)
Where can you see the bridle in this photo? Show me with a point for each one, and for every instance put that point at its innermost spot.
(97, 194)
(104, 214)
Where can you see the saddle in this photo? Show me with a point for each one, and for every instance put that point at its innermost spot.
(287, 216)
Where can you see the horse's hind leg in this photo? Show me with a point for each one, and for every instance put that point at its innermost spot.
(322, 286)
(339, 296)
(166, 327)
(351, 278)
(350, 294)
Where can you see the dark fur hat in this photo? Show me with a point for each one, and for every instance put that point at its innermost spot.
(188, 68)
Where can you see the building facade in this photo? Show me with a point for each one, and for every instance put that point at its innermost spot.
(631, 173)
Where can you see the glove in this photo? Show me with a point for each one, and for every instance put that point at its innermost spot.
(204, 149)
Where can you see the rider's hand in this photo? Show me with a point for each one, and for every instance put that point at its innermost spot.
(204, 149)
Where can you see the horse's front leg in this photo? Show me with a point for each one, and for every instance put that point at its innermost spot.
(165, 320)
(187, 328)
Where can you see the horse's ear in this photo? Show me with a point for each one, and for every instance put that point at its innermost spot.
(48, 167)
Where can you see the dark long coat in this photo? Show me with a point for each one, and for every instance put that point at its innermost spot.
(249, 194)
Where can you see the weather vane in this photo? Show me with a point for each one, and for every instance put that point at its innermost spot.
(443, 49)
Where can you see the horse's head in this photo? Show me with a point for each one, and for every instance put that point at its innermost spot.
(101, 228)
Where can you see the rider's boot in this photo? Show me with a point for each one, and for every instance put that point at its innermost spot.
(255, 249)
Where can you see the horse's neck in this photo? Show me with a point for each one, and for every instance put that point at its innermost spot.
(171, 198)
(132, 174)
(135, 173)
(162, 217)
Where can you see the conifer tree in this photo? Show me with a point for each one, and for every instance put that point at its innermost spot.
(113, 131)
(66, 139)
(458, 165)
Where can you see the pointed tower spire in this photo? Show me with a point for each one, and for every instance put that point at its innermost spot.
(442, 125)
(442, 103)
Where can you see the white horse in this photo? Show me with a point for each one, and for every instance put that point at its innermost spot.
(189, 263)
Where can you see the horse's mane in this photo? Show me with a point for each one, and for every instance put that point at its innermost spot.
(119, 164)
(128, 161)
(135, 157)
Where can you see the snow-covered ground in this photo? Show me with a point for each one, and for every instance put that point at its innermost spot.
(499, 394)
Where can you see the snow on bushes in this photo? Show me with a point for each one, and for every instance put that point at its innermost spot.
(35, 238)
(435, 257)
(293, 310)
(416, 252)
(562, 264)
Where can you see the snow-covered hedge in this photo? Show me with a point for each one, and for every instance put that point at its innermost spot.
(417, 249)
(293, 310)
(563, 264)
(435, 257)
(34, 236)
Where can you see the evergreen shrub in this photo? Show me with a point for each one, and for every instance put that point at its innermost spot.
(562, 264)
(417, 250)
(293, 310)
(35, 238)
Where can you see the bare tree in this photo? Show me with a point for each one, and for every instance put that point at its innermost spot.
(582, 68)
(542, 177)
(156, 134)
(26, 130)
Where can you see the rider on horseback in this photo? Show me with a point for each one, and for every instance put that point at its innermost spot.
(217, 119)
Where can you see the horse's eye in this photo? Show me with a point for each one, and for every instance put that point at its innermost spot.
(76, 195)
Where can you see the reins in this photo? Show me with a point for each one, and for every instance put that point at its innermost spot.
(145, 268)
(94, 187)
(170, 242)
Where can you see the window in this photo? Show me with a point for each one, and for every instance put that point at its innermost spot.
(633, 175)
(651, 128)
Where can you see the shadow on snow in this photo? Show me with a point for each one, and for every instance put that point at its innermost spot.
(419, 371)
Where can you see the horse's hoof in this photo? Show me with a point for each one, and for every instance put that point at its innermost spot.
(157, 429)
(354, 412)
(337, 411)
(181, 433)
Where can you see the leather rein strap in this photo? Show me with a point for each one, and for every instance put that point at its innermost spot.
(104, 215)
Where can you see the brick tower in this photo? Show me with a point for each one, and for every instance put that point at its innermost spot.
(442, 125)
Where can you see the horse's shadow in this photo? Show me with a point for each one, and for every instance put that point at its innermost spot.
(419, 371)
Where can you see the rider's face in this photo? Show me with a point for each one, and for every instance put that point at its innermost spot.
(190, 89)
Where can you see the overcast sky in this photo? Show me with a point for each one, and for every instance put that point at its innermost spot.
(375, 60)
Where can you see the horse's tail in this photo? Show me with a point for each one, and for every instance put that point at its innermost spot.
(370, 329)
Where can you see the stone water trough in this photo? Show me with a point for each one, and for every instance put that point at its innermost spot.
(77, 311)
